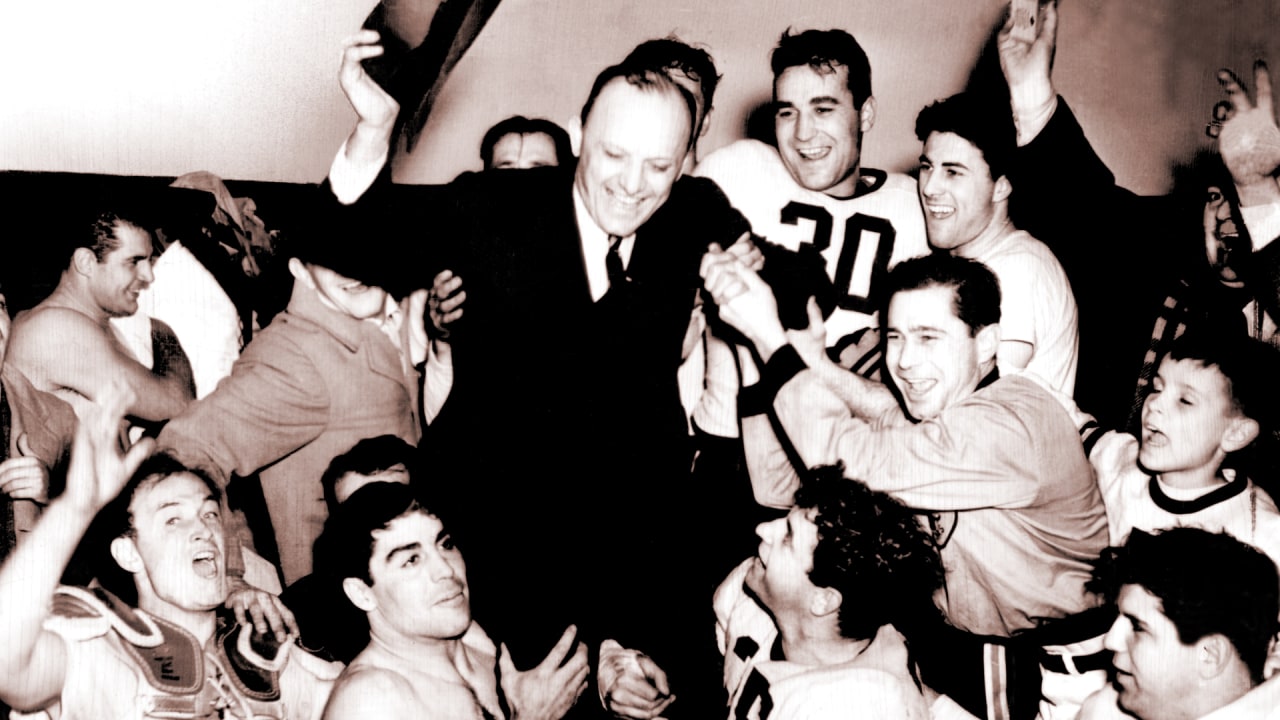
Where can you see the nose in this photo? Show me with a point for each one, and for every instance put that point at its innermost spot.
(144, 272)
(439, 567)
(907, 355)
(928, 187)
(768, 531)
(1115, 638)
(632, 178)
(804, 127)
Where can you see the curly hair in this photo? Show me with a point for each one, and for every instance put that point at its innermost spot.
(874, 551)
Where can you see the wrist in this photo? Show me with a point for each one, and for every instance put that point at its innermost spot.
(768, 342)
(1262, 190)
(369, 140)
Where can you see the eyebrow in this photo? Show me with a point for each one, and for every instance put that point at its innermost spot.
(825, 100)
(917, 329)
(403, 548)
(924, 158)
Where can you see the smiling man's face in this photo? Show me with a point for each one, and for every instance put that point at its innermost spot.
(419, 578)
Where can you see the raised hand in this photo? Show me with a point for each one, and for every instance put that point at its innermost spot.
(445, 301)
(545, 692)
(1248, 138)
(1028, 68)
(745, 301)
(374, 107)
(98, 469)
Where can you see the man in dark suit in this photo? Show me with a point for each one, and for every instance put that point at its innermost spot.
(563, 432)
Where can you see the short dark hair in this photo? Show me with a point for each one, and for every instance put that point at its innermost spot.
(871, 549)
(648, 80)
(1208, 583)
(975, 288)
(521, 125)
(672, 53)
(367, 457)
(984, 125)
(1250, 368)
(345, 547)
(824, 50)
(100, 235)
(116, 519)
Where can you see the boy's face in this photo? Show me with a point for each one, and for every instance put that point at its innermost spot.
(1186, 418)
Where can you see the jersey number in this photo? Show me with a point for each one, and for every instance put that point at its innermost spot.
(864, 254)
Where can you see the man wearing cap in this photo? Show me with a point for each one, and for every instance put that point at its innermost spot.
(338, 365)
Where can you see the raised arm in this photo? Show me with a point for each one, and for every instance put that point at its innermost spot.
(33, 661)
(361, 157)
(40, 344)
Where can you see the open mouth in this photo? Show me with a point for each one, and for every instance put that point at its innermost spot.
(205, 563)
(939, 212)
(813, 153)
(918, 387)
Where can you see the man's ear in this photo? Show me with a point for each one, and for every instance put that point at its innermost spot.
(575, 135)
(1239, 433)
(359, 594)
(83, 260)
(1214, 655)
(1003, 189)
(988, 342)
(825, 601)
(125, 553)
(706, 123)
(300, 272)
(867, 115)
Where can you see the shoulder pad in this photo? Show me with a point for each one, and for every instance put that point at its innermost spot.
(254, 660)
(83, 613)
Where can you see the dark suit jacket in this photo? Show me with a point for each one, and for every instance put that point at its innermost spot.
(563, 445)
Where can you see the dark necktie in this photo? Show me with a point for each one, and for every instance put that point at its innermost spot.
(613, 263)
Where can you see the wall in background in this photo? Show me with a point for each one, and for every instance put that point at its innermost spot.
(247, 88)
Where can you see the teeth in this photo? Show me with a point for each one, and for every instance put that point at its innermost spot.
(204, 555)
(939, 210)
(812, 153)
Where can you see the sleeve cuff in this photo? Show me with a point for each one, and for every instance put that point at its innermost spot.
(758, 398)
(1263, 223)
(349, 181)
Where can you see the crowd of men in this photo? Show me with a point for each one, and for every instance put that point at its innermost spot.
(765, 434)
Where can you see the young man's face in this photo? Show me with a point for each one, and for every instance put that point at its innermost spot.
(347, 296)
(1224, 247)
(957, 192)
(121, 275)
(630, 153)
(179, 538)
(517, 151)
(931, 355)
(1186, 417)
(818, 128)
(1155, 671)
(780, 575)
(419, 578)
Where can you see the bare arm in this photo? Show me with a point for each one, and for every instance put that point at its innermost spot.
(68, 350)
(33, 661)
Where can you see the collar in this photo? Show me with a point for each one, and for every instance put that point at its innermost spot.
(305, 303)
(990, 378)
(594, 243)
(1234, 487)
